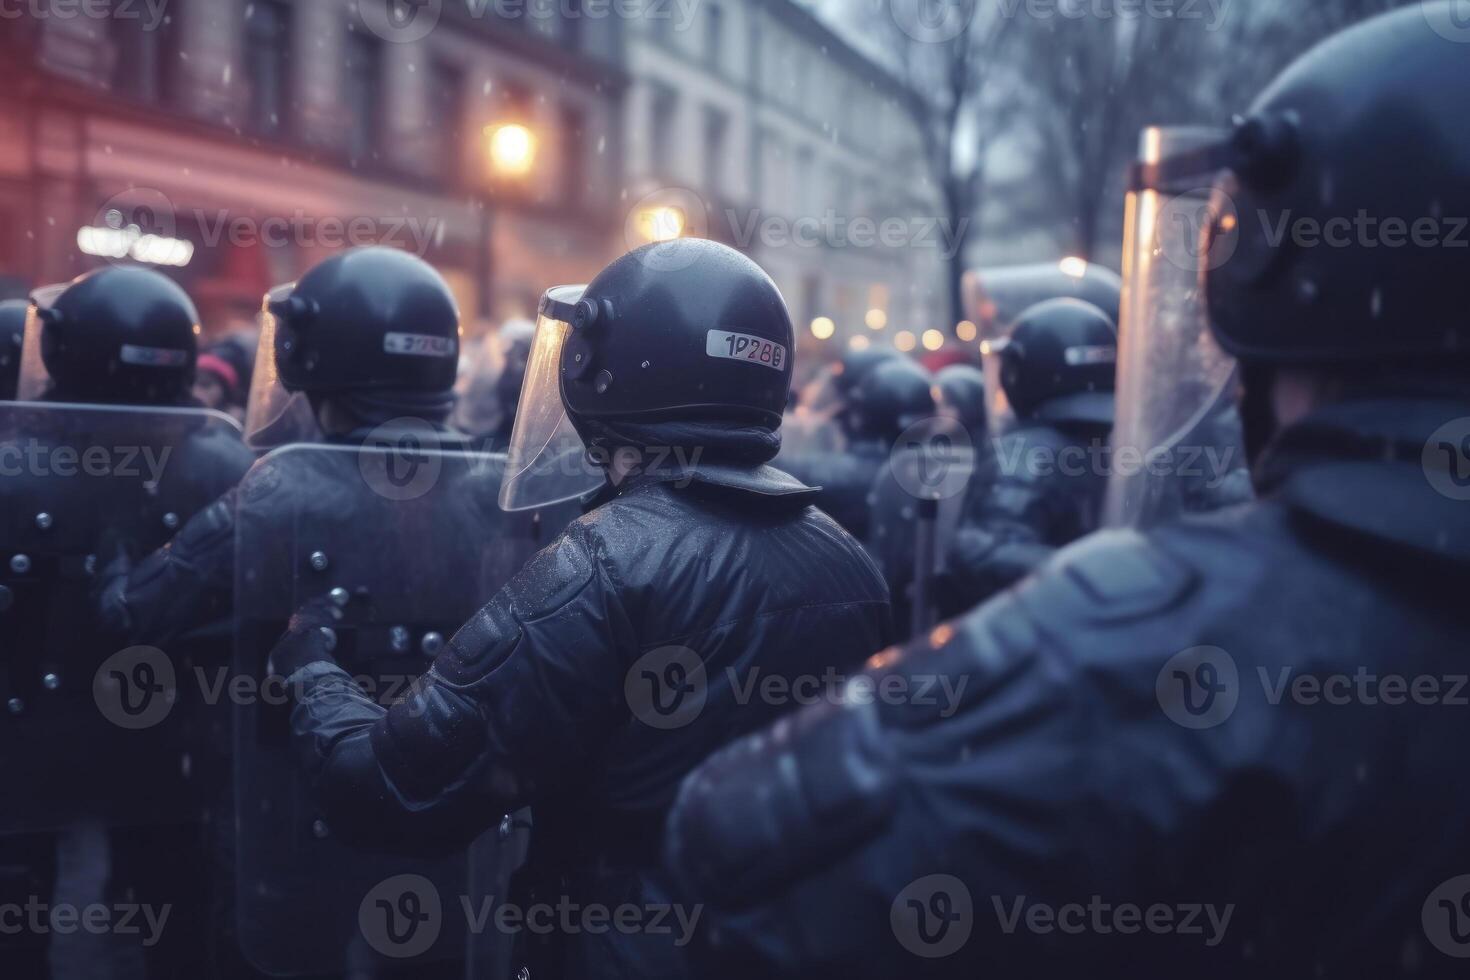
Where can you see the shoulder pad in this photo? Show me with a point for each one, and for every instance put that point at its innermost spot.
(1109, 577)
(261, 481)
(552, 577)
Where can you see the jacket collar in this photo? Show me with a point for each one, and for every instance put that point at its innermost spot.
(1393, 469)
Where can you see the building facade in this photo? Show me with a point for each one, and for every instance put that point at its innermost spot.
(751, 122)
(233, 143)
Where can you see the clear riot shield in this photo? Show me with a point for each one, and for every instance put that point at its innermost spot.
(1177, 442)
(96, 729)
(413, 531)
(916, 505)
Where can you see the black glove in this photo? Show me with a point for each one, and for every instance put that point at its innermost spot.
(310, 638)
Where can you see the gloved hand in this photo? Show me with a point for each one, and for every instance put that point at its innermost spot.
(310, 638)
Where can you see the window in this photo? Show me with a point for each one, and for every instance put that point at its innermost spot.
(364, 69)
(663, 105)
(267, 60)
(145, 56)
(716, 128)
(446, 106)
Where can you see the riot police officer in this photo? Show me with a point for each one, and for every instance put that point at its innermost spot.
(12, 332)
(1188, 750)
(1049, 469)
(365, 343)
(891, 394)
(918, 498)
(615, 659)
(105, 451)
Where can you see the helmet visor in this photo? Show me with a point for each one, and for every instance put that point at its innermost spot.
(34, 380)
(1175, 383)
(274, 416)
(548, 461)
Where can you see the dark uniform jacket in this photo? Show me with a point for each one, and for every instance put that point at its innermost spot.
(1255, 720)
(638, 642)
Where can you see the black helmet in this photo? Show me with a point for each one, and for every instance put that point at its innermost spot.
(682, 330)
(1059, 363)
(961, 388)
(891, 397)
(12, 334)
(1363, 139)
(120, 333)
(368, 319)
(855, 365)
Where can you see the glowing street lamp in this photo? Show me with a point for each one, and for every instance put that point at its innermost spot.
(512, 149)
(661, 223)
(823, 328)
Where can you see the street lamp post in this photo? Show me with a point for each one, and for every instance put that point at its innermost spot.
(511, 152)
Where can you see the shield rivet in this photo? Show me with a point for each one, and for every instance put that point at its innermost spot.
(20, 564)
(51, 682)
(171, 520)
(15, 706)
(432, 643)
(319, 561)
(399, 639)
(44, 521)
(319, 829)
(339, 596)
